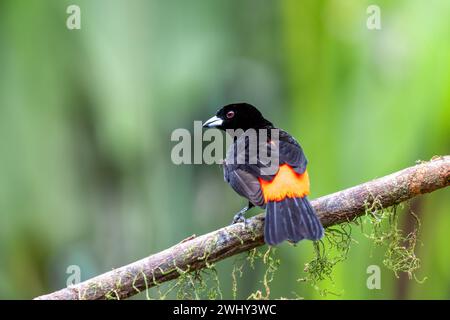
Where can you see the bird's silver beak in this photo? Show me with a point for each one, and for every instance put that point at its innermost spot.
(213, 122)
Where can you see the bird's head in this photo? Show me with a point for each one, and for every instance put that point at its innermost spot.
(238, 116)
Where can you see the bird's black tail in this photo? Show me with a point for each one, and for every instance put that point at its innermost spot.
(291, 219)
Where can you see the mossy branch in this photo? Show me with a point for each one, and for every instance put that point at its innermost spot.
(196, 253)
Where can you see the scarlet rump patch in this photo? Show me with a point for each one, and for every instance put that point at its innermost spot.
(286, 184)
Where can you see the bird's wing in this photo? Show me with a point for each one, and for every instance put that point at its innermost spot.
(243, 176)
(245, 184)
(291, 152)
(288, 151)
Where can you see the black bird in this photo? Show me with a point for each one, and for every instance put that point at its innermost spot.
(283, 190)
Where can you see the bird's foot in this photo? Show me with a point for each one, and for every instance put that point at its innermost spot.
(238, 217)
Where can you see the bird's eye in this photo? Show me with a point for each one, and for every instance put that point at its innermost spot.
(230, 114)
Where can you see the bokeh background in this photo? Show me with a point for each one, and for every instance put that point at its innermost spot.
(86, 116)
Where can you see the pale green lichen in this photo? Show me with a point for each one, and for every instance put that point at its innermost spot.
(235, 275)
(272, 263)
(327, 253)
(379, 224)
(384, 231)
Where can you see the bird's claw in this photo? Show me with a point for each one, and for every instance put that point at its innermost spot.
(238, 218)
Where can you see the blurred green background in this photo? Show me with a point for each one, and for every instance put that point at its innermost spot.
(86, 117)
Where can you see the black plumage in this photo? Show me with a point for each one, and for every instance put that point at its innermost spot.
(291, 218)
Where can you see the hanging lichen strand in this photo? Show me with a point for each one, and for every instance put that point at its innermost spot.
(379, 225)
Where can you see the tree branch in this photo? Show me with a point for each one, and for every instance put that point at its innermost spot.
(194, 254)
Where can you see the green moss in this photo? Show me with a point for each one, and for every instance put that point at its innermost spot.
(208, 250)
(380, 225)
(272, 263)
(190, 284)
(237, 236)
(400, 247)
(235, 275)
(327, 253)
(199, 284)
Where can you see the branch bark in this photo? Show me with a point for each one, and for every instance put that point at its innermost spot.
(196, 253)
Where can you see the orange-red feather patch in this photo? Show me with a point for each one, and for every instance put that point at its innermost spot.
(286, 184)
